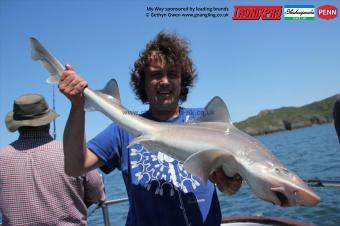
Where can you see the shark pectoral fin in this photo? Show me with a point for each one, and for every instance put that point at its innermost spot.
(145, 140)
(202, 164)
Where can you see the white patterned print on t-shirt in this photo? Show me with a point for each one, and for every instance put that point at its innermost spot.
(152, 167)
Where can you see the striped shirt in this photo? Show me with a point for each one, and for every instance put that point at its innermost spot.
(34, 189)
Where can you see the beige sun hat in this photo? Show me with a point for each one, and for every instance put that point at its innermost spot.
(29, 110)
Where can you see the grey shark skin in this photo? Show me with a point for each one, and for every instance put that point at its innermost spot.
(204, 145)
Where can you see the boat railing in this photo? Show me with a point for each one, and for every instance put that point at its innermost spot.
(105, 208)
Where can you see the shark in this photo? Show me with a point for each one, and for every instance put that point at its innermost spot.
(204, 145)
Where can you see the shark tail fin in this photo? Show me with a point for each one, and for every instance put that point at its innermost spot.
(52, 65)
(109, 92)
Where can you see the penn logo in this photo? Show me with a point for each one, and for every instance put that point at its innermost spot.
(327, 12)
(257, 12)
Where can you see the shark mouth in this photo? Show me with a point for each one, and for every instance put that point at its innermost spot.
(281, 196)
(284, 201)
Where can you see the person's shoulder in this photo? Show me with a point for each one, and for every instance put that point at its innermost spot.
(192, 110)
(116, 130)
(112, 127)
(92, 173)
(192, 113)
(337, 104)
(338, 98)
(6, 149)
(57, 142)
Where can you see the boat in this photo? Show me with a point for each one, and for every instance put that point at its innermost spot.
(260, 220)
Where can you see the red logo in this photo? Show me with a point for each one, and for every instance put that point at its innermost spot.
(257, 12)
(327, 12)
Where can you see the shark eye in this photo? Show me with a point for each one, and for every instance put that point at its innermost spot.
(285, 171)
(281, 170)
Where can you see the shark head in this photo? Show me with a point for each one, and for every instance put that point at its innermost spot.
(280, 186)
(237, 152)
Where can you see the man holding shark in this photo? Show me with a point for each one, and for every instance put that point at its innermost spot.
(160, 191)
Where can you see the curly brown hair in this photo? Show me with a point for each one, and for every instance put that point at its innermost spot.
(175, 50)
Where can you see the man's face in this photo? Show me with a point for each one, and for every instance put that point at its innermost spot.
(162, 84)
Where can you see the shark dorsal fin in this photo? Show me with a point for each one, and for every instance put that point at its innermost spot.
(215, 111)
(110, 92)
(111, 89)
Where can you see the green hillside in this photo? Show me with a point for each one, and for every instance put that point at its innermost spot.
(287, 118)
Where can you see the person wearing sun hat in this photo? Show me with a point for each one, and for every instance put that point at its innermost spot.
(29, 110)
(34, 189)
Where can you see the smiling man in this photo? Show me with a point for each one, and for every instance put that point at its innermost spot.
(162, 86)
(160, 191)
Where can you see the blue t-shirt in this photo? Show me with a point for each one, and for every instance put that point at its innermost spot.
(160, 191)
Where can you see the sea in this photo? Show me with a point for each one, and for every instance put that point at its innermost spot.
(313, 153)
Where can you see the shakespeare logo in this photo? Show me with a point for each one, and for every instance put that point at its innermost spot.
(299, 12)
(257, 12)
(327, 12)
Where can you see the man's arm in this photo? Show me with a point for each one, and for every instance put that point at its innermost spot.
(94, 188)
(77, 157)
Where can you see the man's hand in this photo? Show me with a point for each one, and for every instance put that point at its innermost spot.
(227, 185)
(72, 86)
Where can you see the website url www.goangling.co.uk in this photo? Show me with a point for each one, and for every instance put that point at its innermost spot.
(186, 15)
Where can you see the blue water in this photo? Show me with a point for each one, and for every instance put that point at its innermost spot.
(312, 152)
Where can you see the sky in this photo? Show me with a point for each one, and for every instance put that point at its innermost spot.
(252, 65)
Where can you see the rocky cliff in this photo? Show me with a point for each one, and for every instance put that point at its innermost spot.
(288, 118)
